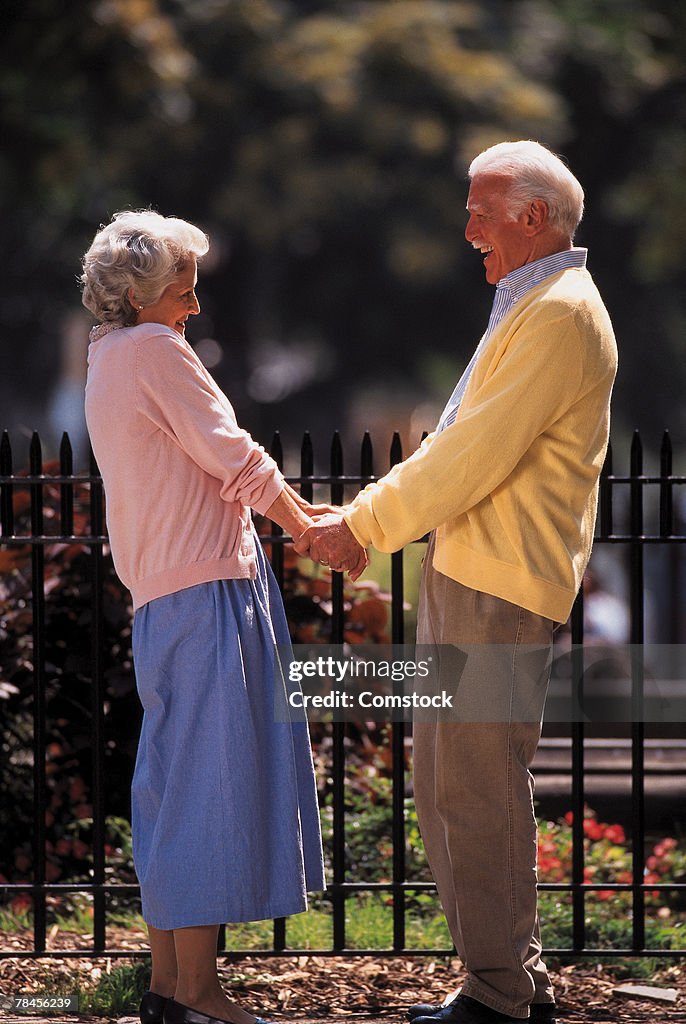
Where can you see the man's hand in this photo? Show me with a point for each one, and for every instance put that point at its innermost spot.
(331, 543)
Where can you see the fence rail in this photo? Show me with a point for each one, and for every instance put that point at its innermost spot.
(621, 521)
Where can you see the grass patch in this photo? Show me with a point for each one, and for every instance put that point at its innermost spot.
(118, 992)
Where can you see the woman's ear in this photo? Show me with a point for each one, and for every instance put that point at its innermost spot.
(131, 296)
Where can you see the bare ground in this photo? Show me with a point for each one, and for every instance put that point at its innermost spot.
(336, 989)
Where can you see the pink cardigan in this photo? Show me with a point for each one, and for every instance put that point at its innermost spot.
(180, 475)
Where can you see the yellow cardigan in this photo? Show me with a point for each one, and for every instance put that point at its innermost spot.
(511, 486)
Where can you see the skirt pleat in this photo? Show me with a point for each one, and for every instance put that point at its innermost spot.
(225, 819)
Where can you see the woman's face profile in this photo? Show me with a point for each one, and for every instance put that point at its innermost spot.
(177, 302)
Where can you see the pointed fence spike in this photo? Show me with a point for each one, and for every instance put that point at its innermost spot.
(636, 454)
(36, 469)
(66, 489)
(336, 471)
(5, 454)
(666, 454)
(636, 487)
(366, 456)
(666, 505)
(307, 453)
(35, 455)
(66, 454)
(306, 466)
(396, 454)
(605, 513)
(276, 451)
(336, 454)
(6, 503)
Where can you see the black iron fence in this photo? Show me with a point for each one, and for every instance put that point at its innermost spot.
(28, 525)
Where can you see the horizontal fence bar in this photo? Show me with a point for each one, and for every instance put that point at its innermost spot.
(564, 953)
(352, 887)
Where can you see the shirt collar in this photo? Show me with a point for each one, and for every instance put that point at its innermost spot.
(518, 282)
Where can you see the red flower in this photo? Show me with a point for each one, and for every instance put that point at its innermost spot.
(21, 903)
(615, 834)
(80, 849)
(22, 862)
(664, 846)
(593, 829)
(77, 790)
(52, 871)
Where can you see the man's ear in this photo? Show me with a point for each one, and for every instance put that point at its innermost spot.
(536, 217)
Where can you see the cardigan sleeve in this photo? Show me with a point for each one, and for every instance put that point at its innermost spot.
(527, 388)
(175, 392)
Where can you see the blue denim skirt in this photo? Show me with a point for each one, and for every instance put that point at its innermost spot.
(225, 819)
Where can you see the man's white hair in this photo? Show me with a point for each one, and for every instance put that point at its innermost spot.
(536, 173)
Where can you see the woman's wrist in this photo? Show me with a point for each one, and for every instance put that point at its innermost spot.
(288, 514)
(300, 524)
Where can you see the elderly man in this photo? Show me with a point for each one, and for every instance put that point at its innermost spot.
(507, 483)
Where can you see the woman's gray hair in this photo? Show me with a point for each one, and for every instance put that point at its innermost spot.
(139, 249)
(536, 173)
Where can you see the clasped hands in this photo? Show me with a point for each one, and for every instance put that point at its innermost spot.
(330, 542)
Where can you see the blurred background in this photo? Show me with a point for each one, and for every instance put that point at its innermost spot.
(323, 146)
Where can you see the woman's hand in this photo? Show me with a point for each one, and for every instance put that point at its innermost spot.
(312, 510)
(293, 513)
(316, 511)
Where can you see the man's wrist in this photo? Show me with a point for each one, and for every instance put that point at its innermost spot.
(361, 540)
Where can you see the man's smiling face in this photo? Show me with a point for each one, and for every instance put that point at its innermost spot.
(494, 228)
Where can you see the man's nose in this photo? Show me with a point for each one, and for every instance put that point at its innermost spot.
(469, 229)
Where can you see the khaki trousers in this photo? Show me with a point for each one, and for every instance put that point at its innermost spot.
(474, 791)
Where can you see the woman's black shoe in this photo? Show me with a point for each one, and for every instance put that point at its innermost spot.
(177, 1013)
(152, 1008)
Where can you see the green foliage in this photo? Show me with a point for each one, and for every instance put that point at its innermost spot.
(318, 145)
(69, 708)
(118, 992)
(368, 807)
(607, 912)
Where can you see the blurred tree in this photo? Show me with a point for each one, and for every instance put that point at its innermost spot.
(621, 67)
(84, 88)
(323, 146)
(316, 144)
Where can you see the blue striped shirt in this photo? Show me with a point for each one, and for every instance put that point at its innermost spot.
(508, 291)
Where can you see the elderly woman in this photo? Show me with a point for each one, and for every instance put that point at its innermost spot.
(224, 812)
